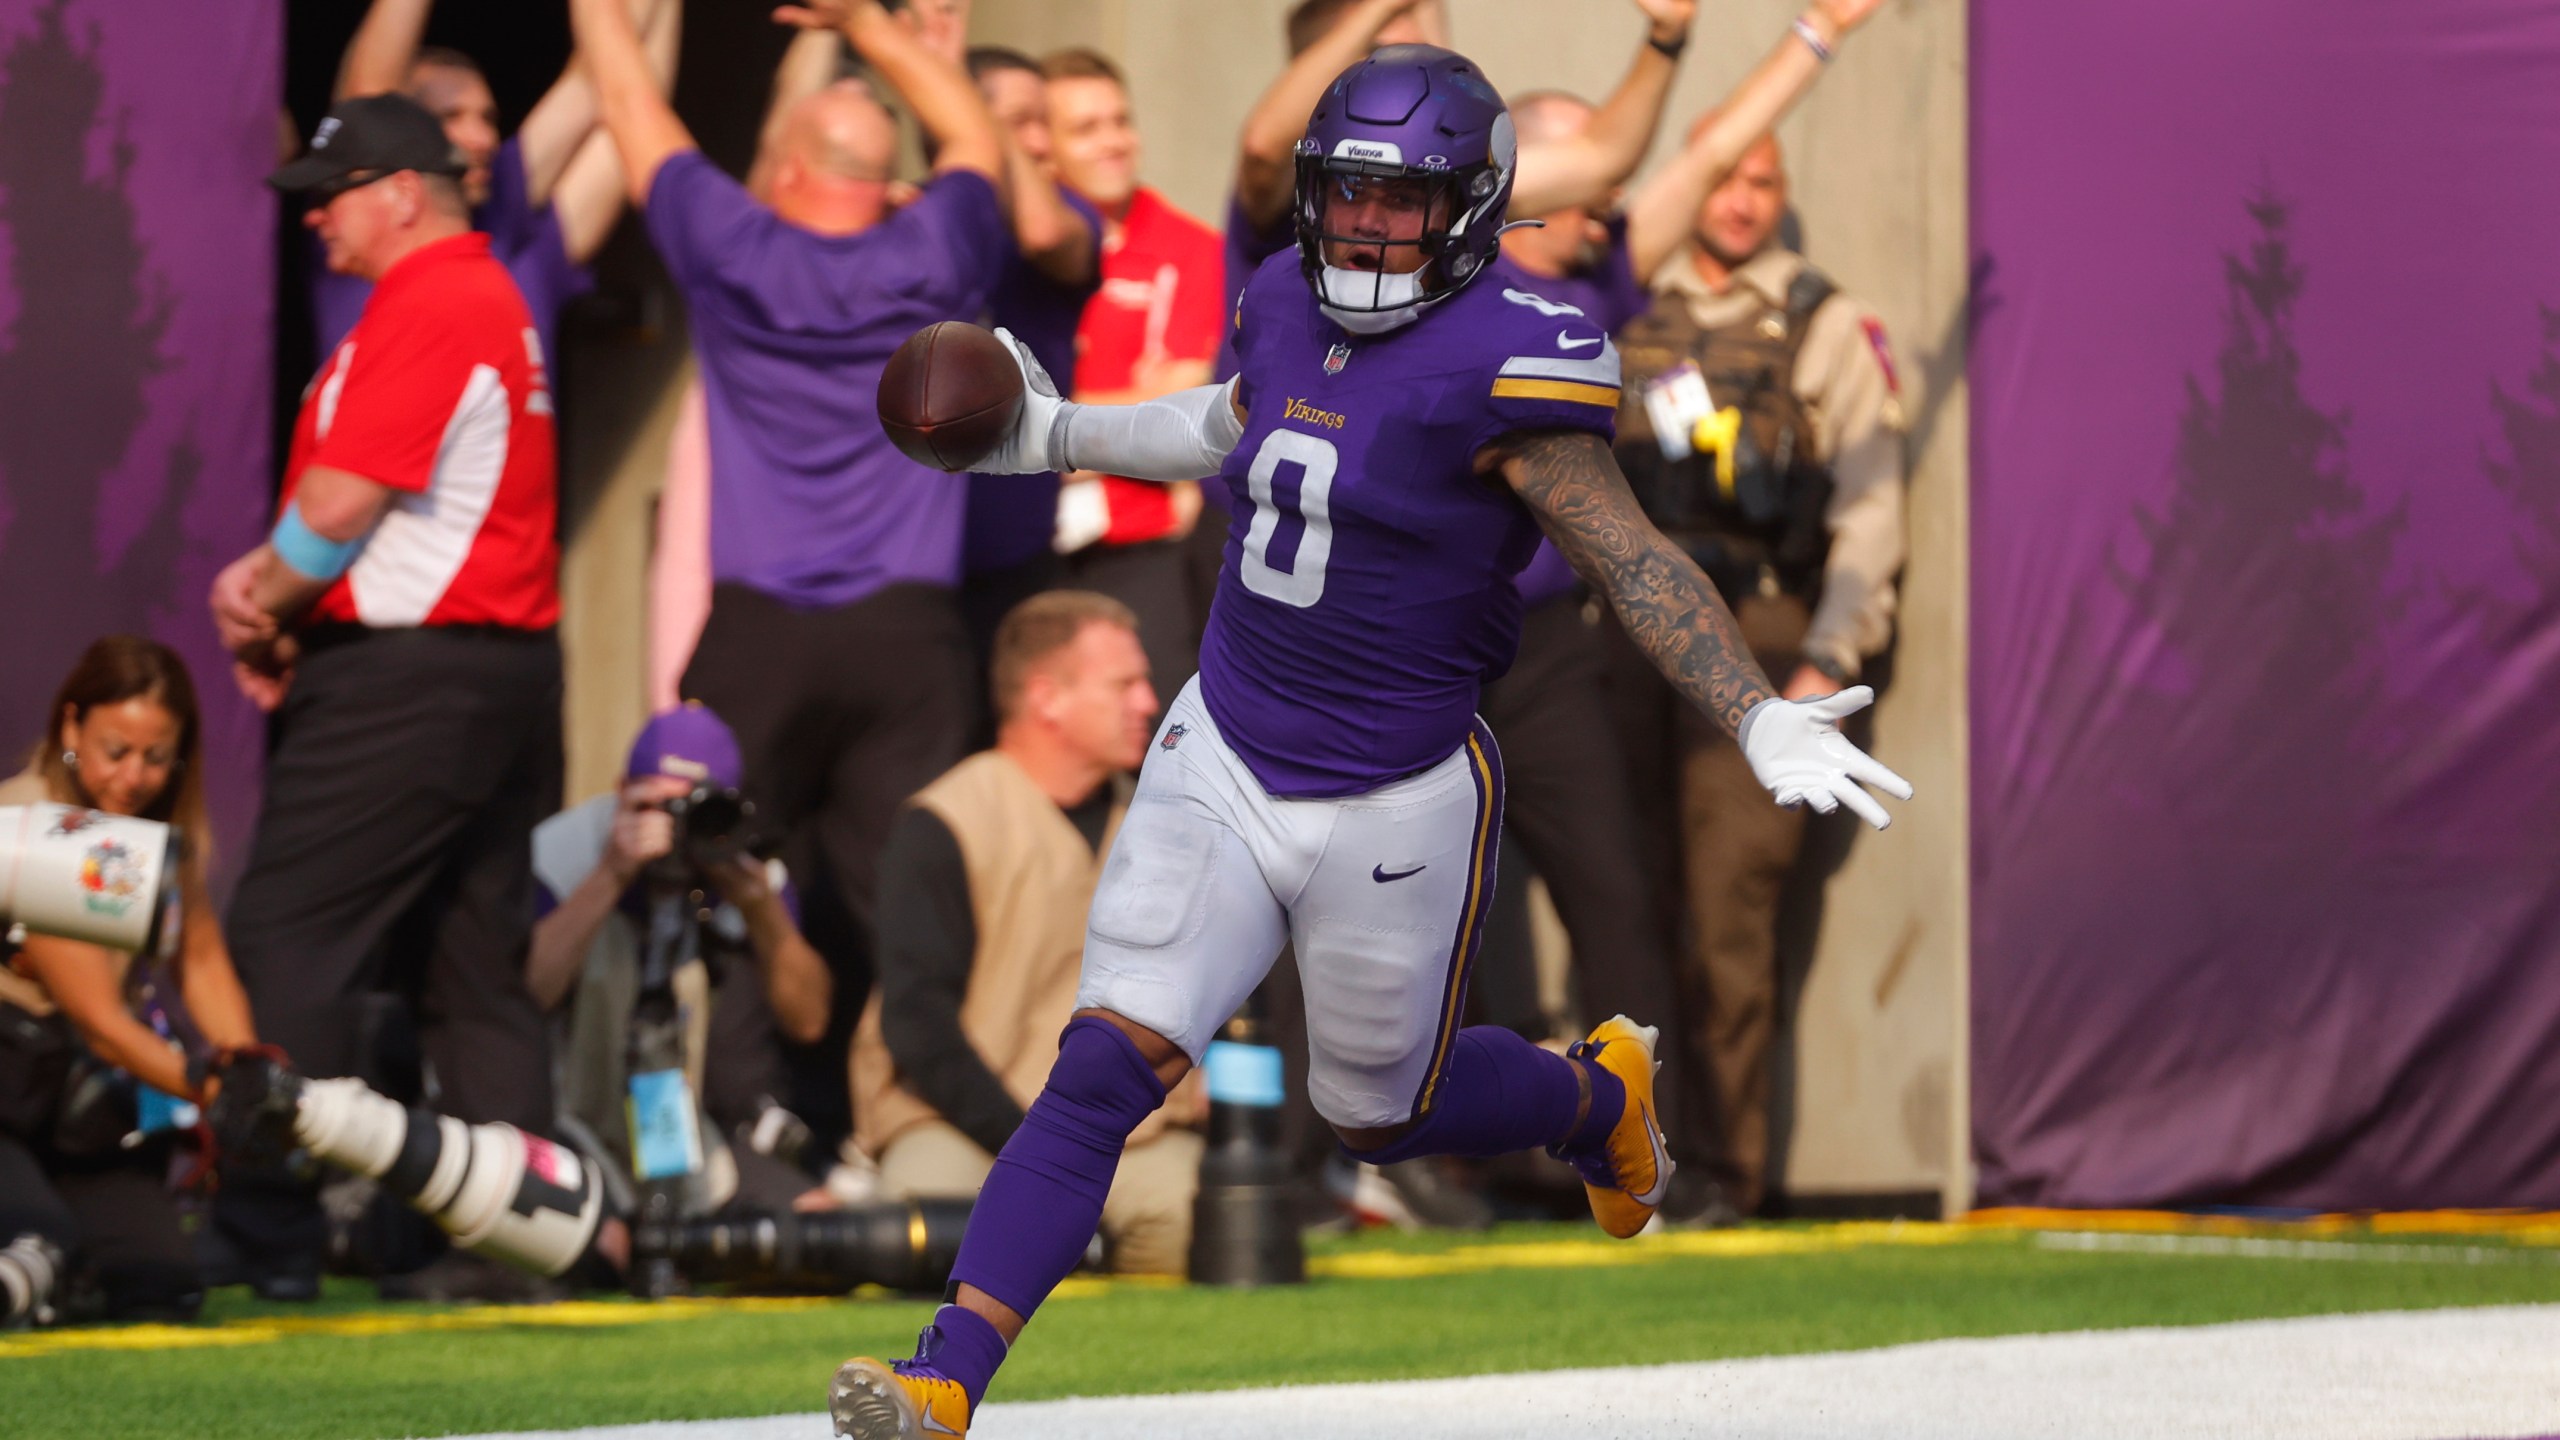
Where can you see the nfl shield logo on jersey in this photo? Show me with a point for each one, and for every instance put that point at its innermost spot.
(1336, 358)
(1173, 735)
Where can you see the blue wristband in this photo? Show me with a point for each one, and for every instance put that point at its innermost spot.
(307, 550)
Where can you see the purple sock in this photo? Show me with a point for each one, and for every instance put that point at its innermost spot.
(1043, 1201)
(1501, 1093)
(961, 1345)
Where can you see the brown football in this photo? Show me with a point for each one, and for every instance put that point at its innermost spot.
(950, 395)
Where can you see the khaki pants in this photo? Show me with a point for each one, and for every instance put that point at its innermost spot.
(1146, 1220)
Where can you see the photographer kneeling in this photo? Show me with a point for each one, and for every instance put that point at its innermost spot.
(596, 865)
(85, 1147)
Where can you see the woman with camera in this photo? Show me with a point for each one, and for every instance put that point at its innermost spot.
(92, 1064)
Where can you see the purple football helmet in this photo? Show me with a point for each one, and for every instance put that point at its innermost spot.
(1423, 123)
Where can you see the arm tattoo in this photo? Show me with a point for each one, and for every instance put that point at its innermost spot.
(1571, 482)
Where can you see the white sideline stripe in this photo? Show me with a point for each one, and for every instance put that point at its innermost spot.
(2477, 1374)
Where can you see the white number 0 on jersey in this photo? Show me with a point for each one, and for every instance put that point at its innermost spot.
(1302, 584)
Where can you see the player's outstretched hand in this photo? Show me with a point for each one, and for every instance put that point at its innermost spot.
(1028, 451)
(1796, 749)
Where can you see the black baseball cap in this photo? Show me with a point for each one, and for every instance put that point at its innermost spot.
(375, 133)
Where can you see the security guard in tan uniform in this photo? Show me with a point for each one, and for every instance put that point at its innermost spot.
(1762, 430)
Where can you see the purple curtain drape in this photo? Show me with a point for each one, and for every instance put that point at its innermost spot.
(2266, 603)
(137, 260)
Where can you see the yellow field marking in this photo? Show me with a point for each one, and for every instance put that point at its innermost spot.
(2522, 1227)
(1355, 1267)
(1583, 1254)
(565, 1314)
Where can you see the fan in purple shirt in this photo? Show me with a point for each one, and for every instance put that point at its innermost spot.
(1401, 428)
(834, 646)
(546, 197)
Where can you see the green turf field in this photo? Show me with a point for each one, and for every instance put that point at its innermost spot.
(1383, 1306)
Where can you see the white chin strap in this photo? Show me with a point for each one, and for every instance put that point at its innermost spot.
(1381, 290)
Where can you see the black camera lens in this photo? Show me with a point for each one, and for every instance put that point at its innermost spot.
(909, 1247)
(715, 825)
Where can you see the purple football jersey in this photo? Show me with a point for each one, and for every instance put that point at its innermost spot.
(525, 237)
(1013, 518)
(810, 503)
(1367, 594)
(1607, 294)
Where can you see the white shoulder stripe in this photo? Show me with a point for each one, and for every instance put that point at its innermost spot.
(1599, 369)
(425, 539)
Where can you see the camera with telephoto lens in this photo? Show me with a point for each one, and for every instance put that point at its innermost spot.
(494, 1189)
(715, 825)
(538, 1205)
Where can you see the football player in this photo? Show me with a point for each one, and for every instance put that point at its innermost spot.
(1395, 441)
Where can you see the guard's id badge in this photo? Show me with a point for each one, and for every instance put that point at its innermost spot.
(665, 1143)
(1676, 401)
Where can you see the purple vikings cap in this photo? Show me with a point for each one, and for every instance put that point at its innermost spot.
(688, 743)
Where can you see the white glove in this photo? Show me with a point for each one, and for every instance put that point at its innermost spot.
(1039, 430)
(1796, 749)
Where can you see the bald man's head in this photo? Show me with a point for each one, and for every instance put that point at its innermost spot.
(1544, 117)
(843, 133)
(1572, 239)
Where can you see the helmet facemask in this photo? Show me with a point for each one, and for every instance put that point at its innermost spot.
(1379, 240)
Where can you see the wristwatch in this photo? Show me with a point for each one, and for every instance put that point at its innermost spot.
(1669, 48)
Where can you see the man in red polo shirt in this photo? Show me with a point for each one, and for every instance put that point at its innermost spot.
(398, 624)
(1152, 329)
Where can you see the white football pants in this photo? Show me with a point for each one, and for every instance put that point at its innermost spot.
(1383, 894)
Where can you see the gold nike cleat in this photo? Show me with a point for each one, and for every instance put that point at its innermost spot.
(870, 1400)
(1628, 1173)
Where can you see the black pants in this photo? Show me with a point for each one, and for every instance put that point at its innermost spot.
(742, 1064)
(841, 714)
(111, 1214)
(1570, 806)
(405, 773)
(985, 599)
(1153, 579)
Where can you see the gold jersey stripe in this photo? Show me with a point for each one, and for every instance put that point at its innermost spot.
(1515, 388)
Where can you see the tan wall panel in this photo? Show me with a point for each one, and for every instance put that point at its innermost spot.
(617, 463)
(1878, 160)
